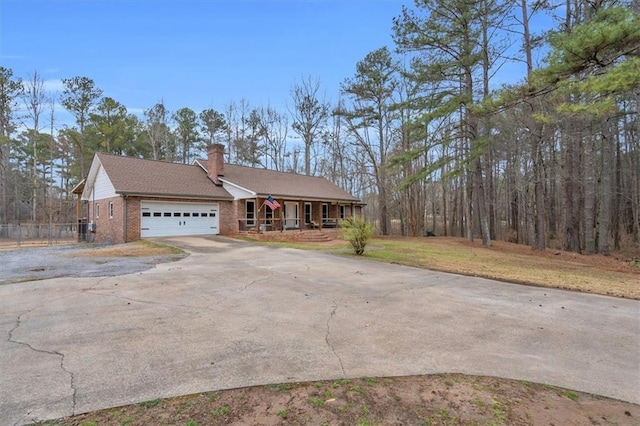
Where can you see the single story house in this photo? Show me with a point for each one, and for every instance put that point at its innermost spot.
(124, 199)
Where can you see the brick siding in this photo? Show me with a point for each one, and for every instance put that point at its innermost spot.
(112, 230)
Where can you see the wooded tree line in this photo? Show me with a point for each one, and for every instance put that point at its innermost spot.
(425, 133)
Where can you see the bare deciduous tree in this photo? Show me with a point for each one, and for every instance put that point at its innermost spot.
(309, 115)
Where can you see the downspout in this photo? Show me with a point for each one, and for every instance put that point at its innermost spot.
(92, 233)
(124, 217)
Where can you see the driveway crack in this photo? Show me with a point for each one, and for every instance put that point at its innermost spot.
(11, 339)
(328, 341)
(243, 288)
(151, 302)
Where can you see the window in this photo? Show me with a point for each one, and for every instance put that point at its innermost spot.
(186, 214)
(325, 211)
(167, 214)
(177, 214)
(157, 214)
(251, 212)
(307, 213)
(146, 214)
(110, 209)
(343, 212)
(195, 214)
(97, 210)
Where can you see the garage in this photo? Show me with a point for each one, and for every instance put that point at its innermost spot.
(165, 219)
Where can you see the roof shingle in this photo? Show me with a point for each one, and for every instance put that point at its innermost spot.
(152, 177)
(140, 176)
(285, 185)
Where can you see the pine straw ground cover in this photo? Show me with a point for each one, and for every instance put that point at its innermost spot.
(443, 399)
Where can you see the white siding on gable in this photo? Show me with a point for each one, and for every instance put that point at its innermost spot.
(238, 192)
(103, 188)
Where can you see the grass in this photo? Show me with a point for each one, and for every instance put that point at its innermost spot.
(283, 387)
(503, 261)
(317, 401)
(571, 395)
(500, 411)
(508, 262)
(221, 411)
(139, 248)
(152, 403)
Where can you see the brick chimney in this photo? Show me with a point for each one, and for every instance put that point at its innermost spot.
(215, 162)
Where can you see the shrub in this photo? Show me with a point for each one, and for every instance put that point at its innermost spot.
(357, 232)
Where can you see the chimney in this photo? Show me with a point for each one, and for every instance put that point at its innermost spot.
(215, 162)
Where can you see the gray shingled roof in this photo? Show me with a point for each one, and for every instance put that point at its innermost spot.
(284, 185)
(150, 177)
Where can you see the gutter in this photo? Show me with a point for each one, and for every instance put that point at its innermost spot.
(164, 195)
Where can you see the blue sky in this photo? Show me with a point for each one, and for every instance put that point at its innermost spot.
(193, 53)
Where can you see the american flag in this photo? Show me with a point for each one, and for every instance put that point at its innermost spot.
(272, 203)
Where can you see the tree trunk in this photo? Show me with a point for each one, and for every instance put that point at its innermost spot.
(604, 220)
(538, 241)
(468, 220)
(444, 205)
(572, 190)
(481, 203)
(4, 181)
(617, 203)
(552, 192)
(589, 186)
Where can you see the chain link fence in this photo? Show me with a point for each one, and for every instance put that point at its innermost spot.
(38, 234)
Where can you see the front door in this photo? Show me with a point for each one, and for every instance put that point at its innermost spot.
(291, 215)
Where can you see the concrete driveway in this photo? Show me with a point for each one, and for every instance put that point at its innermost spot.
(235, 314)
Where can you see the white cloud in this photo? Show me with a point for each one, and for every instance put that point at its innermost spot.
(54, 85)
(136, 111)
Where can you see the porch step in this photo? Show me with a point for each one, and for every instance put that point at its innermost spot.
(314, 237)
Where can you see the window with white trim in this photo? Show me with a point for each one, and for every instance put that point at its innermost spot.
(110, 209)
(97, 210)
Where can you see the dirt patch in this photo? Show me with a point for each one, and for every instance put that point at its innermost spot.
(446, 399)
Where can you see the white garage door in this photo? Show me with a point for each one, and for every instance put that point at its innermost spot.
(162, 219)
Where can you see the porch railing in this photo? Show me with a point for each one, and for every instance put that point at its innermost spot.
(277, 224)
(247, 225)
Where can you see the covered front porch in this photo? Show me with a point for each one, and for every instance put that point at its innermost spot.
(254, 215)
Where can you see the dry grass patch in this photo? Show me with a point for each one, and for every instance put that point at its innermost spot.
(140, 248)
(514, 263)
